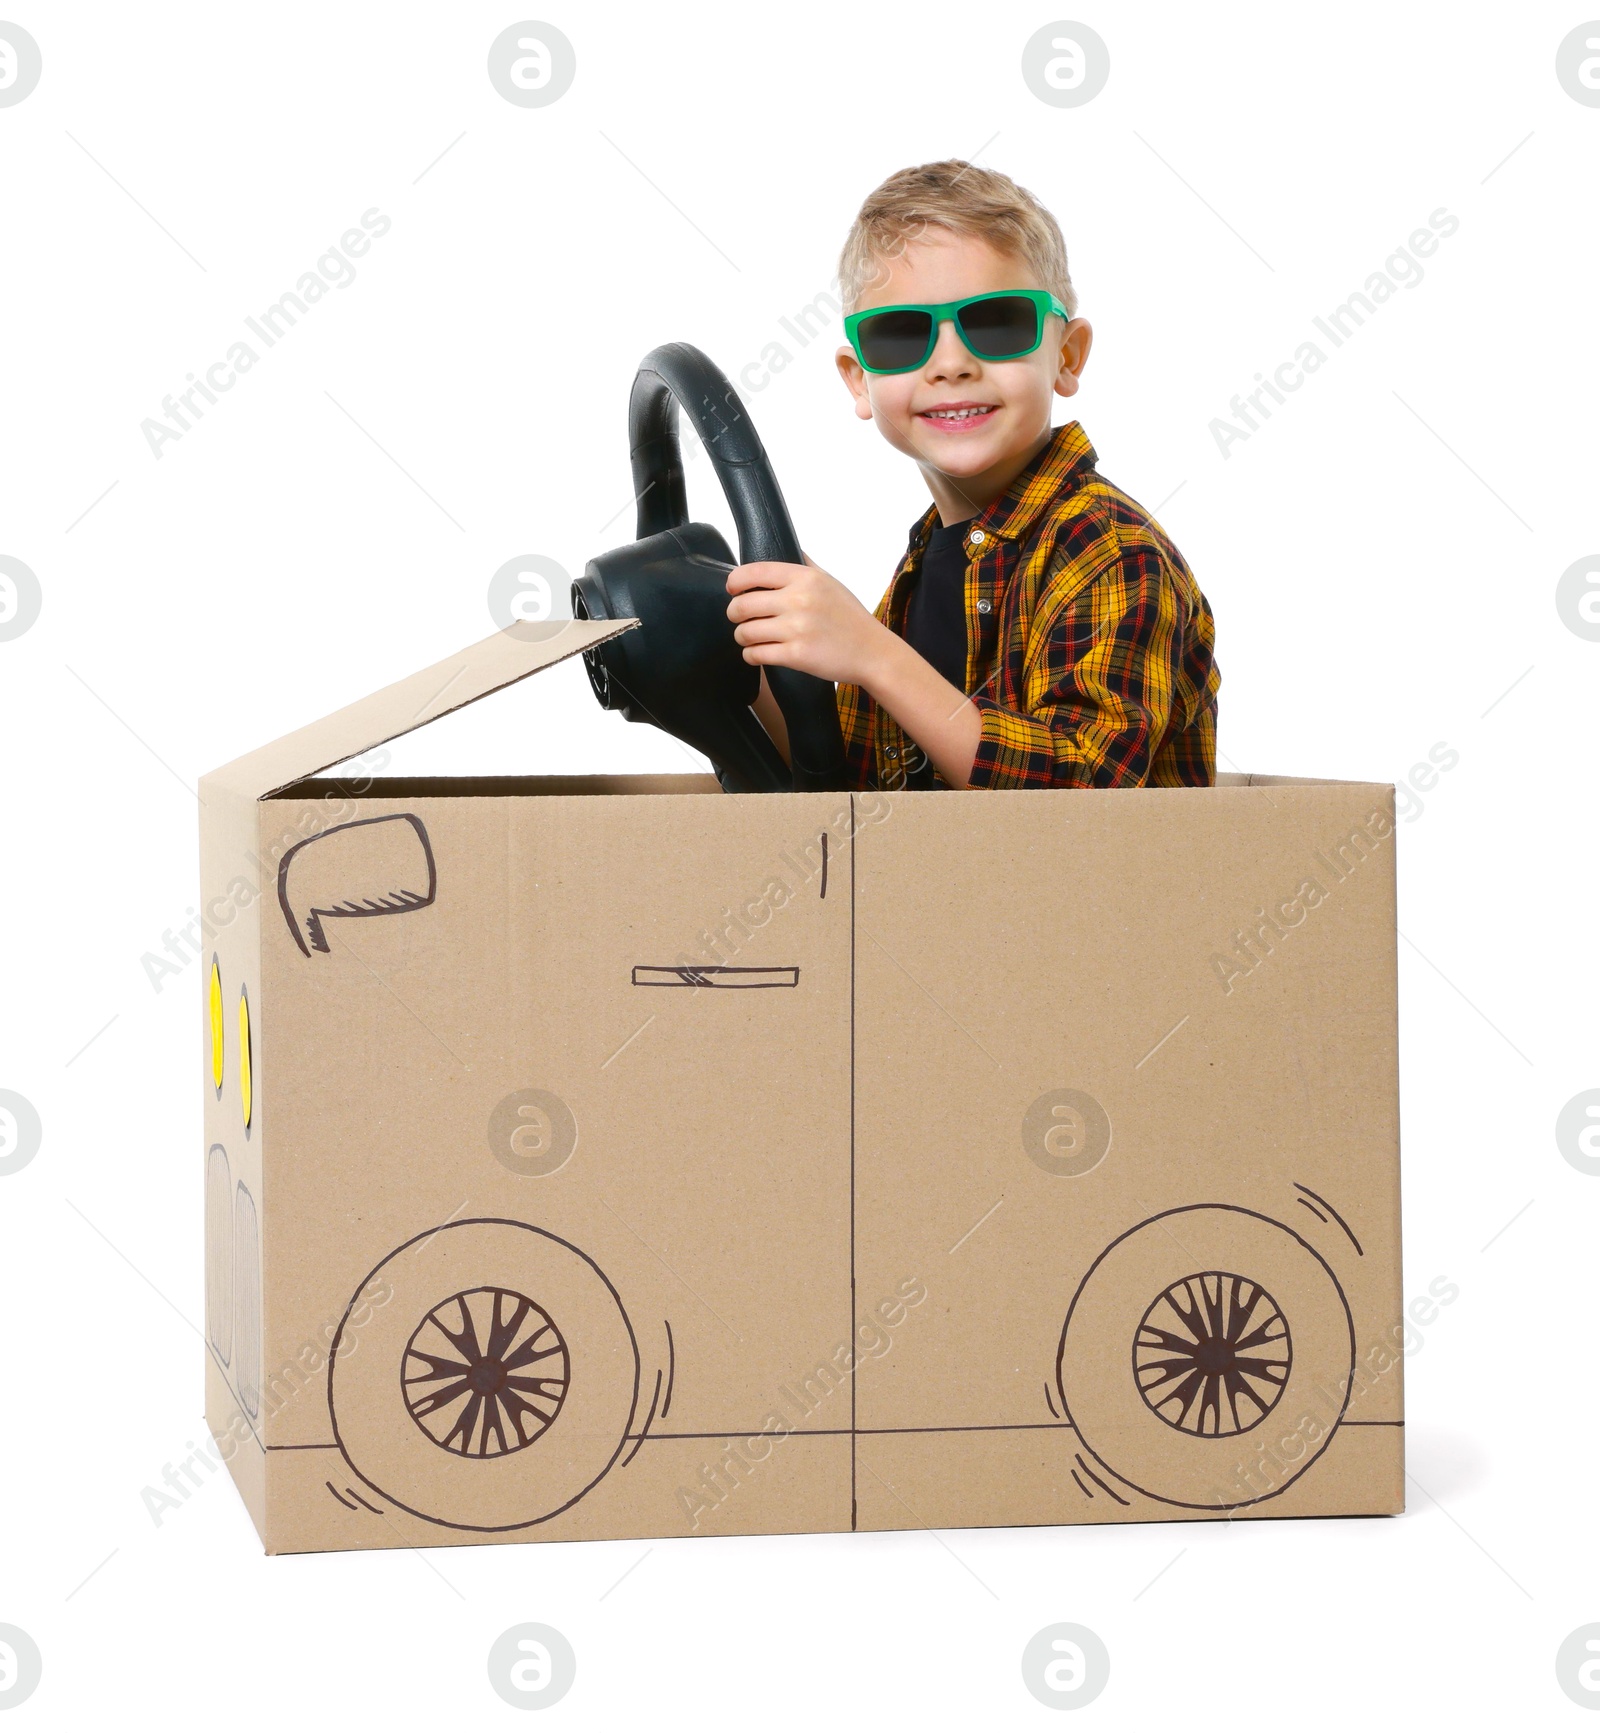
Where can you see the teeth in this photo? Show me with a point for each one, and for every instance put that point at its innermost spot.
(958, 414)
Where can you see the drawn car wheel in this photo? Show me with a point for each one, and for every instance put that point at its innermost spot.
(1193, 1337)
(485, 1376)
(485, 1372)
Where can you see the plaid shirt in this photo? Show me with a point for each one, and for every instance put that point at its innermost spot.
(1089, 644)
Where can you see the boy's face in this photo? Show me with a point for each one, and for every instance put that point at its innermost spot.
(1014, 417)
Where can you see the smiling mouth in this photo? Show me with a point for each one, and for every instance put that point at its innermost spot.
(967, 416)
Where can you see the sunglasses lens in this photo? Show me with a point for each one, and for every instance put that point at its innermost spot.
(892, 342)
(1005, 325)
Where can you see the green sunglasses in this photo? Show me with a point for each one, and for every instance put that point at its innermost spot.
(997, 327)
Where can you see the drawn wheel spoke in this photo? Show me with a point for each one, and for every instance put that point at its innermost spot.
(1211, 1355)
(485, 1373)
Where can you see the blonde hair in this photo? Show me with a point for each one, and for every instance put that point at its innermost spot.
(964, 200)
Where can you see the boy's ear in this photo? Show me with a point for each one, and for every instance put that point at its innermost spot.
(855, 378)
(1076, 341)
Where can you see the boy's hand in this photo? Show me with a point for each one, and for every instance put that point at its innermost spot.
(799, 617)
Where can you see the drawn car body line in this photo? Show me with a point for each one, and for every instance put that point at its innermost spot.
(1111, 1490)
(255, 1433)
(1331, 1211)
(241, 1231)
(754, 1431)
(219, 1267)
(247, 1302)
(644, 1431)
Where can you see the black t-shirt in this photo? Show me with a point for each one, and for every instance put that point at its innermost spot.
(936, 610)
(936, 616)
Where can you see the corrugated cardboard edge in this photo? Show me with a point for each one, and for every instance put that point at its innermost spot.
(411, 703)
(1264, 779)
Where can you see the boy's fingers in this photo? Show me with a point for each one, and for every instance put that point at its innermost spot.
(765, 631)
(759, 574)
(755, 605)
(754, 576)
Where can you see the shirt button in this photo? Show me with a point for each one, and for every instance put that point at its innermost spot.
(983, 605)
(976, 537)
(893, 752)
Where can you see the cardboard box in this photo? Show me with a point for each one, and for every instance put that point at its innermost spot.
(610, 1156)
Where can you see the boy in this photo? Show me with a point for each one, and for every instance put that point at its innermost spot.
(1041, 631)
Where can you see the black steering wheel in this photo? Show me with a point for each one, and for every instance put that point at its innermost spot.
(683, 669)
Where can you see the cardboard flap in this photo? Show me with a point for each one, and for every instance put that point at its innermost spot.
(420, 698)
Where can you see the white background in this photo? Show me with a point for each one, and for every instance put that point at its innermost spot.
(1381, 556)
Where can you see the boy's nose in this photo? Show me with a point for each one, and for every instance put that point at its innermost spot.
(951, 359)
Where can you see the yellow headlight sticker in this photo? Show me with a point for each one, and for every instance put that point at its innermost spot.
(244, 1055)
(216, 1026)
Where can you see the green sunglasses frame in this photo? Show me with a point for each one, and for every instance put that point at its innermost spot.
(1044, 304)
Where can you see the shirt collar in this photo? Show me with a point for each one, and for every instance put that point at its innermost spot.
(1028, 492)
